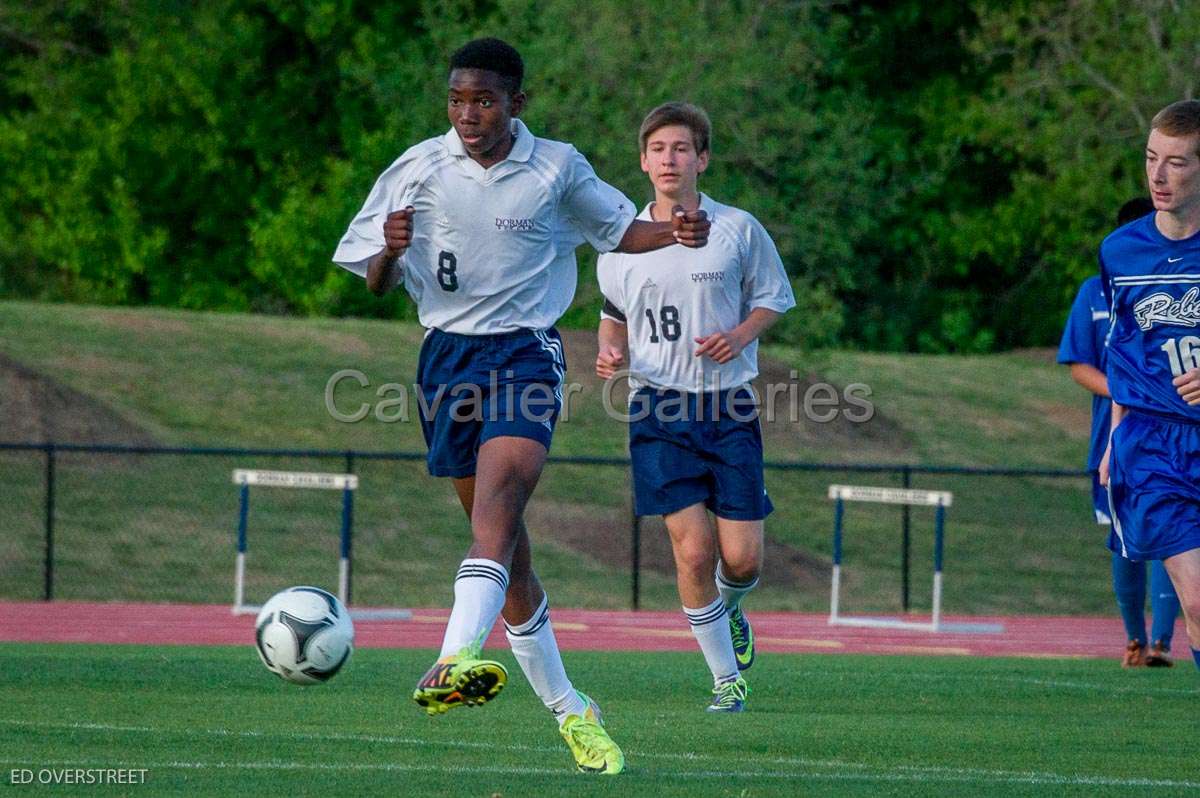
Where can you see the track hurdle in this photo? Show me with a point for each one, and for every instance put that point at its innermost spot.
(244, 478)
(928, 498)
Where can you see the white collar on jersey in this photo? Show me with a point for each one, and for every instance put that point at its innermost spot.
(706, 205)
(522, 147)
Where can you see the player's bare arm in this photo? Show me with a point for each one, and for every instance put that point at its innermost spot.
(689, 228)
(1091, 378)
(1187, 385)
(397, 236)
(613, 342)
(725, 346)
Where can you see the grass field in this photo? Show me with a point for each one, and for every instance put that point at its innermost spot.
(160, 528)
(212, 721)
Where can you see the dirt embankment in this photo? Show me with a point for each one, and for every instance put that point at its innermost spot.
(36, 408)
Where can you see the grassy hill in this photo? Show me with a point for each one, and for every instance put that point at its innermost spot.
(161, 527)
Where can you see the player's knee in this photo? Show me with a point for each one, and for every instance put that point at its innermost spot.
(746, 573)
(694, 559)
(742, 564)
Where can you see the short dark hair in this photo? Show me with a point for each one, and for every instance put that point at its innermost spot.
(676, 113)
(1135, 208)
(492, 55)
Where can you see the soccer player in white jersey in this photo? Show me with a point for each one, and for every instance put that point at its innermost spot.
(478, 225)
(1151, 274)
(690, 320)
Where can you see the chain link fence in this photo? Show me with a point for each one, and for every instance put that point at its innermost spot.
(157, 524)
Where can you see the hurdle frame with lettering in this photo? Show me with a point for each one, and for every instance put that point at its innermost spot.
(939, 499)
(244, 478)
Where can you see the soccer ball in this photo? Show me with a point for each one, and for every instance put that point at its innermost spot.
(304, 635)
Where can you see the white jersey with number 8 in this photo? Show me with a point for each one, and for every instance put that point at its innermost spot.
(492, 249)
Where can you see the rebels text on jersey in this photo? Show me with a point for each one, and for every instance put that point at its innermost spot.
(672, 296)
(490, 247)
(1154, 286)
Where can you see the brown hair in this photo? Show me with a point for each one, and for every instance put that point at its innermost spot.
(676, 113)
(1178, 120)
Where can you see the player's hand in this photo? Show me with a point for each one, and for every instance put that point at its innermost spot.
(1187, 385)
(398, 232)
(690, 227)
(720, 346)
(610, 360)
(1104, 465)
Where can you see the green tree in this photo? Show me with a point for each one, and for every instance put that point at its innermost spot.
(937, 175)
(1065, 119)
(148, 145)
(789, 145)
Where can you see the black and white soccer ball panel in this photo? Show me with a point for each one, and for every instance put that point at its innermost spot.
(304, 635)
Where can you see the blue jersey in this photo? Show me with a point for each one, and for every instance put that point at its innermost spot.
(1083, 342)
(1153, 284)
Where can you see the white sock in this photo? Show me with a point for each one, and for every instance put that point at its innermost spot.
(710, 625)
(536, 650)
(479, 590)
(733, 592)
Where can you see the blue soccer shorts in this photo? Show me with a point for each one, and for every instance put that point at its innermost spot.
(477, 387)
(1100, 501)
(1154, 487)
(689, 448)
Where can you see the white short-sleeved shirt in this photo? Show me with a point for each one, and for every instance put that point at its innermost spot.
(492, 249)
(672, 296)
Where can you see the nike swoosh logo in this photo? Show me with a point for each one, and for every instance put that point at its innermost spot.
(1174, 260)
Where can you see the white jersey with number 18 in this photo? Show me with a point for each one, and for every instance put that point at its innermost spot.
(672, 296)
(491, 249)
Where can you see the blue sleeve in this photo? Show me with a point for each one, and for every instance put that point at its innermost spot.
(1109, 297)
(1106, 288)
(1078, 341)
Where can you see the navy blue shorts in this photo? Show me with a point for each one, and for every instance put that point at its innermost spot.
(1154, 486)
(477, 387)
(682, 455)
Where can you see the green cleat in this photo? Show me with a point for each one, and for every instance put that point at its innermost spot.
(730, 696)
(743, 638)
(459, 680)
(593, 749)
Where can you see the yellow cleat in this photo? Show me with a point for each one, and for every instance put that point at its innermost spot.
(460, 680)
(593, 749)
(730, 696)
(743, 638)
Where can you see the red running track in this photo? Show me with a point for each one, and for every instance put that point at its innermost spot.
(601, 630)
